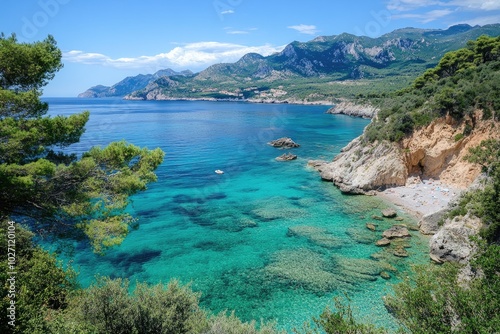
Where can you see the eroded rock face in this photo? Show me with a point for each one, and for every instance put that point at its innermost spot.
(362, 167)
(452, 242)
(435, 152)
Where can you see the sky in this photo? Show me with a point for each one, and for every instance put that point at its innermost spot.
(104, 41)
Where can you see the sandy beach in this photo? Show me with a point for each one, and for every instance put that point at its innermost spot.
(421, 197)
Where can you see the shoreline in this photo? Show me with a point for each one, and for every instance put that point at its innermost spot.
(421, 198)
(212, 99)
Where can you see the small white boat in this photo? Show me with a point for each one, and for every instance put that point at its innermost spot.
(218, 171)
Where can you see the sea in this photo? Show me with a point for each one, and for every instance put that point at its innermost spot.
(266, 239)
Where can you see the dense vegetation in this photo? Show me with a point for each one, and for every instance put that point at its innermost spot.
(63, 193)
(463, 81)
(40, 181)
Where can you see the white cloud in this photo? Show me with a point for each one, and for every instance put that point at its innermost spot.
(237, 32)
(407, 5)
(426, 17)
(486, 5)
(194, 56)
(305, 29)
(481, 20)
(225, 12)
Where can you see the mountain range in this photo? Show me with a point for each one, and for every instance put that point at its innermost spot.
(129, 84)
(323, 69)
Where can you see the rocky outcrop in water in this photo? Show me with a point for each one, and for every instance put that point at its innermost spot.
(362, 167)
(284, 142)
(286, 157)
(352, 109)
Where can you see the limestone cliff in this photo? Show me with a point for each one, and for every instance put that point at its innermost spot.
(438, 150)
(353, 109)
(452, 243)
(362, 167)
(435, 151)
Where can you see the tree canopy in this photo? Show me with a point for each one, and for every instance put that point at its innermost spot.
(463, 81)
(38, 178)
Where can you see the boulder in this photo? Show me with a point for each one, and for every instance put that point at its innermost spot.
(371, 227)
(284, 142)
(389, 213)
(383, 242)
(429, 224)
(397, 231)
(286, 157)
(452, 242)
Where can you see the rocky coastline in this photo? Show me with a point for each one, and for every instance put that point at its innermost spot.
(161, 97)
(350, 108)
(423, 174)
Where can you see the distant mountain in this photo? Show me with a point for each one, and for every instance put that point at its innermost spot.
(130, 84)
(323, 69)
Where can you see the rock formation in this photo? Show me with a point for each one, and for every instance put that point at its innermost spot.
(362, 167)
(352, 109)
(284, 142)
(286, 157)
(396, 231)
(452, 242)
(431, 152)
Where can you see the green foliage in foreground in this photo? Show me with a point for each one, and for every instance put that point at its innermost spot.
(38, 179)
(41, 283)
(485, 202)
(464, 80)
(340, 321)
(435, 302)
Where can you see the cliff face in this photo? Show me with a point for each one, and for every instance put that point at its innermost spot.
(436, 151)
(363, 167)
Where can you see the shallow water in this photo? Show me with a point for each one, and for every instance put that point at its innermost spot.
(267, 239)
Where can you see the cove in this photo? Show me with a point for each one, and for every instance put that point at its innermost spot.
(267, 239)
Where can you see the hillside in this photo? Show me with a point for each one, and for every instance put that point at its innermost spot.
(428, 128)
(321, 70)
(129, 84)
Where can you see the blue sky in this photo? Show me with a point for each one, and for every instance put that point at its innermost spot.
(104, 41)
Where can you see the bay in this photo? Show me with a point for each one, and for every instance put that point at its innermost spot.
(266, 239)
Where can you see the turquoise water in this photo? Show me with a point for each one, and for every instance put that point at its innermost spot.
(267, 239)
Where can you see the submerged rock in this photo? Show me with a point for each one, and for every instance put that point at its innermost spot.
(400, 251)
(315, 235)
(397, 231)
(371, 227)
(385, 275)
(383, 242)
(284, 142)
